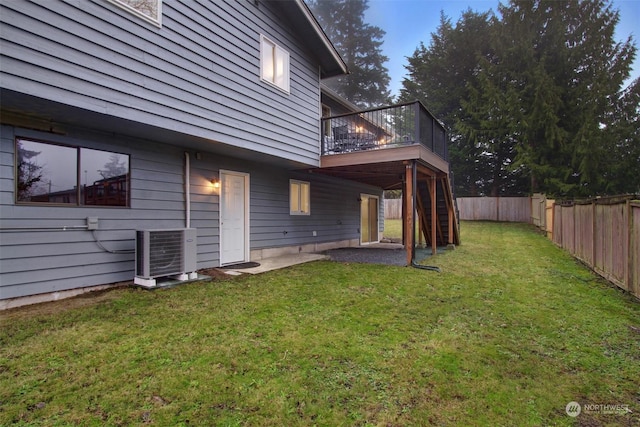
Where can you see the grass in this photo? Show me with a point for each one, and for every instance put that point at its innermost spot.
(510, 332)
(392, 229)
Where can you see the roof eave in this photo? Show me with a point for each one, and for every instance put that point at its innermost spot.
(309, 30)
(341, 68)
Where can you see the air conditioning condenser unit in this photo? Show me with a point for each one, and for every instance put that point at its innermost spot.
(165, 253)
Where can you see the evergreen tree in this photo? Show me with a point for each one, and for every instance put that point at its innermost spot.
(442, 77)
(488, 128)
(116, 166)
(535, 93)
(564, 64)
(359, 44)
(30, 174)
(621, 173)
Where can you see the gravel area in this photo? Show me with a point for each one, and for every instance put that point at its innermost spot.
(385, 256)
(369, 255)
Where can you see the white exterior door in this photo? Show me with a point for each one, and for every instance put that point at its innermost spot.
(234, 217)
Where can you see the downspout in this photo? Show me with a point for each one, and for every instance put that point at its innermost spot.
(413, 214)
(187, 189)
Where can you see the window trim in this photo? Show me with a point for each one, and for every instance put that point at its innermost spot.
(287, 68)
(78, 149)
(298, 194)
(157, 22)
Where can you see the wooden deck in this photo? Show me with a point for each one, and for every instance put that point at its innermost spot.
(423, 177)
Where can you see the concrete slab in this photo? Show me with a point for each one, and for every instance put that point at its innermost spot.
(383, 245)
(168, 282)
(232, 272)
(282, 261)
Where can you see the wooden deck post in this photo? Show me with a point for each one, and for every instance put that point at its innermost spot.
(446, 190)
(450, 239)
(420, 228)
(409, 210)
(434, 215)
(404, 210)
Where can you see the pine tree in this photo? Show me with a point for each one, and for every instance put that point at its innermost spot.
(488, 127)
(536, 92)
(567, 69)
(30, 174)
(621, 173)
(360, 45)
(116, 166)
(443, 76)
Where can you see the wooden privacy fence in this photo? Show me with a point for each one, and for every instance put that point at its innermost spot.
(510, 209)
(392, 208)
(604, 234)
(542, 213)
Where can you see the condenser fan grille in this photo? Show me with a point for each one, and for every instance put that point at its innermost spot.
(168, 252)
(165, 252)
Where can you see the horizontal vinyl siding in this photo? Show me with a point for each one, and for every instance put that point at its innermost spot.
(335, 211)
(40, 261)
(198, 74)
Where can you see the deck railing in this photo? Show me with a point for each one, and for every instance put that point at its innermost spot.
(385, 127)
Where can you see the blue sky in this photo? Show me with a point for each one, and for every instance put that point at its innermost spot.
(408, 22)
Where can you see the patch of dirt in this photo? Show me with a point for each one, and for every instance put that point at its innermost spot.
(215, 274)
(86, 299)
(51, 307)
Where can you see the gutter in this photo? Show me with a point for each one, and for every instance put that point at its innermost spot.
(187, 189)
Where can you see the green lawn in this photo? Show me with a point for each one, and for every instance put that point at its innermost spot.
(511, 331)
(392, 229)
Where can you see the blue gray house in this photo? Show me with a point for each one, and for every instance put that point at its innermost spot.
(125, 115)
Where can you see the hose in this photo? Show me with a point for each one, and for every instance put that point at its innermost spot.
(425, 267)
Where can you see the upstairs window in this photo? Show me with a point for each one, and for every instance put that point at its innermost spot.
(72, 176)
(299, 203)
(274, 64)
(149, 10)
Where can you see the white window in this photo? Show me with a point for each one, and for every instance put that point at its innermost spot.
(149, 10)
(274, 64)
(299, 198)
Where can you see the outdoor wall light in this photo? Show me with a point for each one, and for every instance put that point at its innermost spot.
(215, 182)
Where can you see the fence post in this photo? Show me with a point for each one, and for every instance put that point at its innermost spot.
(555, 221)
(629, 263)
(594, 226)
(634, 258)
(573, 211)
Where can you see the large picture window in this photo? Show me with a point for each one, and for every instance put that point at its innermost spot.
(58, 174)
(299, 203)
(274, 64)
